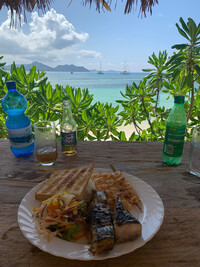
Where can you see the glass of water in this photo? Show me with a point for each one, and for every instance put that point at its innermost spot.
(194, 156)
(45, 142)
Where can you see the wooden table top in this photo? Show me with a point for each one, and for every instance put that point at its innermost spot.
(177, 243)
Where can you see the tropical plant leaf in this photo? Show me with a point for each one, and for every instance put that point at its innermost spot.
(48, 91)
(192, 29)
(185, 27)
(122, 136)
(32, 74)
(147, 70)
(197, 68)
(182, 32)
(179, 46)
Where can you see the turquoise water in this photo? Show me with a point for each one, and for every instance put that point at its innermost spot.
(104, 87)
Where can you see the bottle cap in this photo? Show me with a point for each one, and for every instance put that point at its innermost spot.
(11, 85)
(179, 99)
(66, 102)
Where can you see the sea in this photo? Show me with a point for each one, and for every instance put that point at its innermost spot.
(104, 87)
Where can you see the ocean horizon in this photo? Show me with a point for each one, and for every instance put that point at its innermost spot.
(104, 87)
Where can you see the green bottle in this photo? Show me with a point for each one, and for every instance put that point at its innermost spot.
(175, 133)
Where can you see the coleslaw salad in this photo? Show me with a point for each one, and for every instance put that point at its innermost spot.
(63, 216)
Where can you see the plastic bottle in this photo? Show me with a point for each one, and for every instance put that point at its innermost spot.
(175, 133)
(18, 124)
(68, 130)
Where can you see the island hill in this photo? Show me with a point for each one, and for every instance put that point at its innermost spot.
(59, 68)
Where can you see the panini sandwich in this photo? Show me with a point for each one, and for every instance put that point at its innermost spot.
(72, 181)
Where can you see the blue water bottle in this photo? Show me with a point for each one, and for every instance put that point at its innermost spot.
(18, 124)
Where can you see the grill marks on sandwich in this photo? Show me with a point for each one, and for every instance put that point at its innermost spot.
(72, 181)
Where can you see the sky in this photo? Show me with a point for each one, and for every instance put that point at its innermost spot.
(82, 36)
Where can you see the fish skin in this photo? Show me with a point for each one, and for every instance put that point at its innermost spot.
(127, 228)
(102, 230)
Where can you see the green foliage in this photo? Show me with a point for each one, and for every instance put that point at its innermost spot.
(157, 76)
(178, 74)
(184, 67)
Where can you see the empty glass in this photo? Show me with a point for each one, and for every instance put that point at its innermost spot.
(194, 156)
(45, 142)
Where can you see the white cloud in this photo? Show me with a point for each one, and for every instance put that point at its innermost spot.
(50, 37)
(89, 54)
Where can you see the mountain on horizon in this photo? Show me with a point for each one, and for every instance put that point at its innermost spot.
(39, 66)
(59, 68)
(71, 67)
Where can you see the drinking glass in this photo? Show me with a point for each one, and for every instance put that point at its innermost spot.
(194, 156)
(45, 142)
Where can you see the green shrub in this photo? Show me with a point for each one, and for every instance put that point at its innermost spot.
(178, 74)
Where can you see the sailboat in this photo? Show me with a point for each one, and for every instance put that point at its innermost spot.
(125, 72)
(100, 71)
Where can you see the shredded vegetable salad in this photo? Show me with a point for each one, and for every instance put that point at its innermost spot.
(62, 216)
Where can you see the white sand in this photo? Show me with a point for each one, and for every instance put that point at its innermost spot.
(129, 129)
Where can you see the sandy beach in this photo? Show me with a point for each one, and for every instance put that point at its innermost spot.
(129, 129)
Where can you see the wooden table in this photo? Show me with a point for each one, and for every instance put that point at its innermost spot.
(176, 244)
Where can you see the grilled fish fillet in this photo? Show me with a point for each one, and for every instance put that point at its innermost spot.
(102, 230)
(71, 181)
(126, 227)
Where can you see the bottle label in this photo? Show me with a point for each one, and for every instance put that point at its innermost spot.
(20, 137)
(68, 138)
(174, 141)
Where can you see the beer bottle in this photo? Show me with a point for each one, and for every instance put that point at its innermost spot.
(175, 133)
(68, 130)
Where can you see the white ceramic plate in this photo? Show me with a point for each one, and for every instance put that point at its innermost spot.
(151, 219)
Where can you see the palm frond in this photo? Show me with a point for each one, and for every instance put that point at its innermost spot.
(19, 7)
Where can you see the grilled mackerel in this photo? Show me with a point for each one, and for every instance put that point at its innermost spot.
(102, 231)
(126, 227)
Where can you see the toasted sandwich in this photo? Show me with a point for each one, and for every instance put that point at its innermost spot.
(71, 181)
